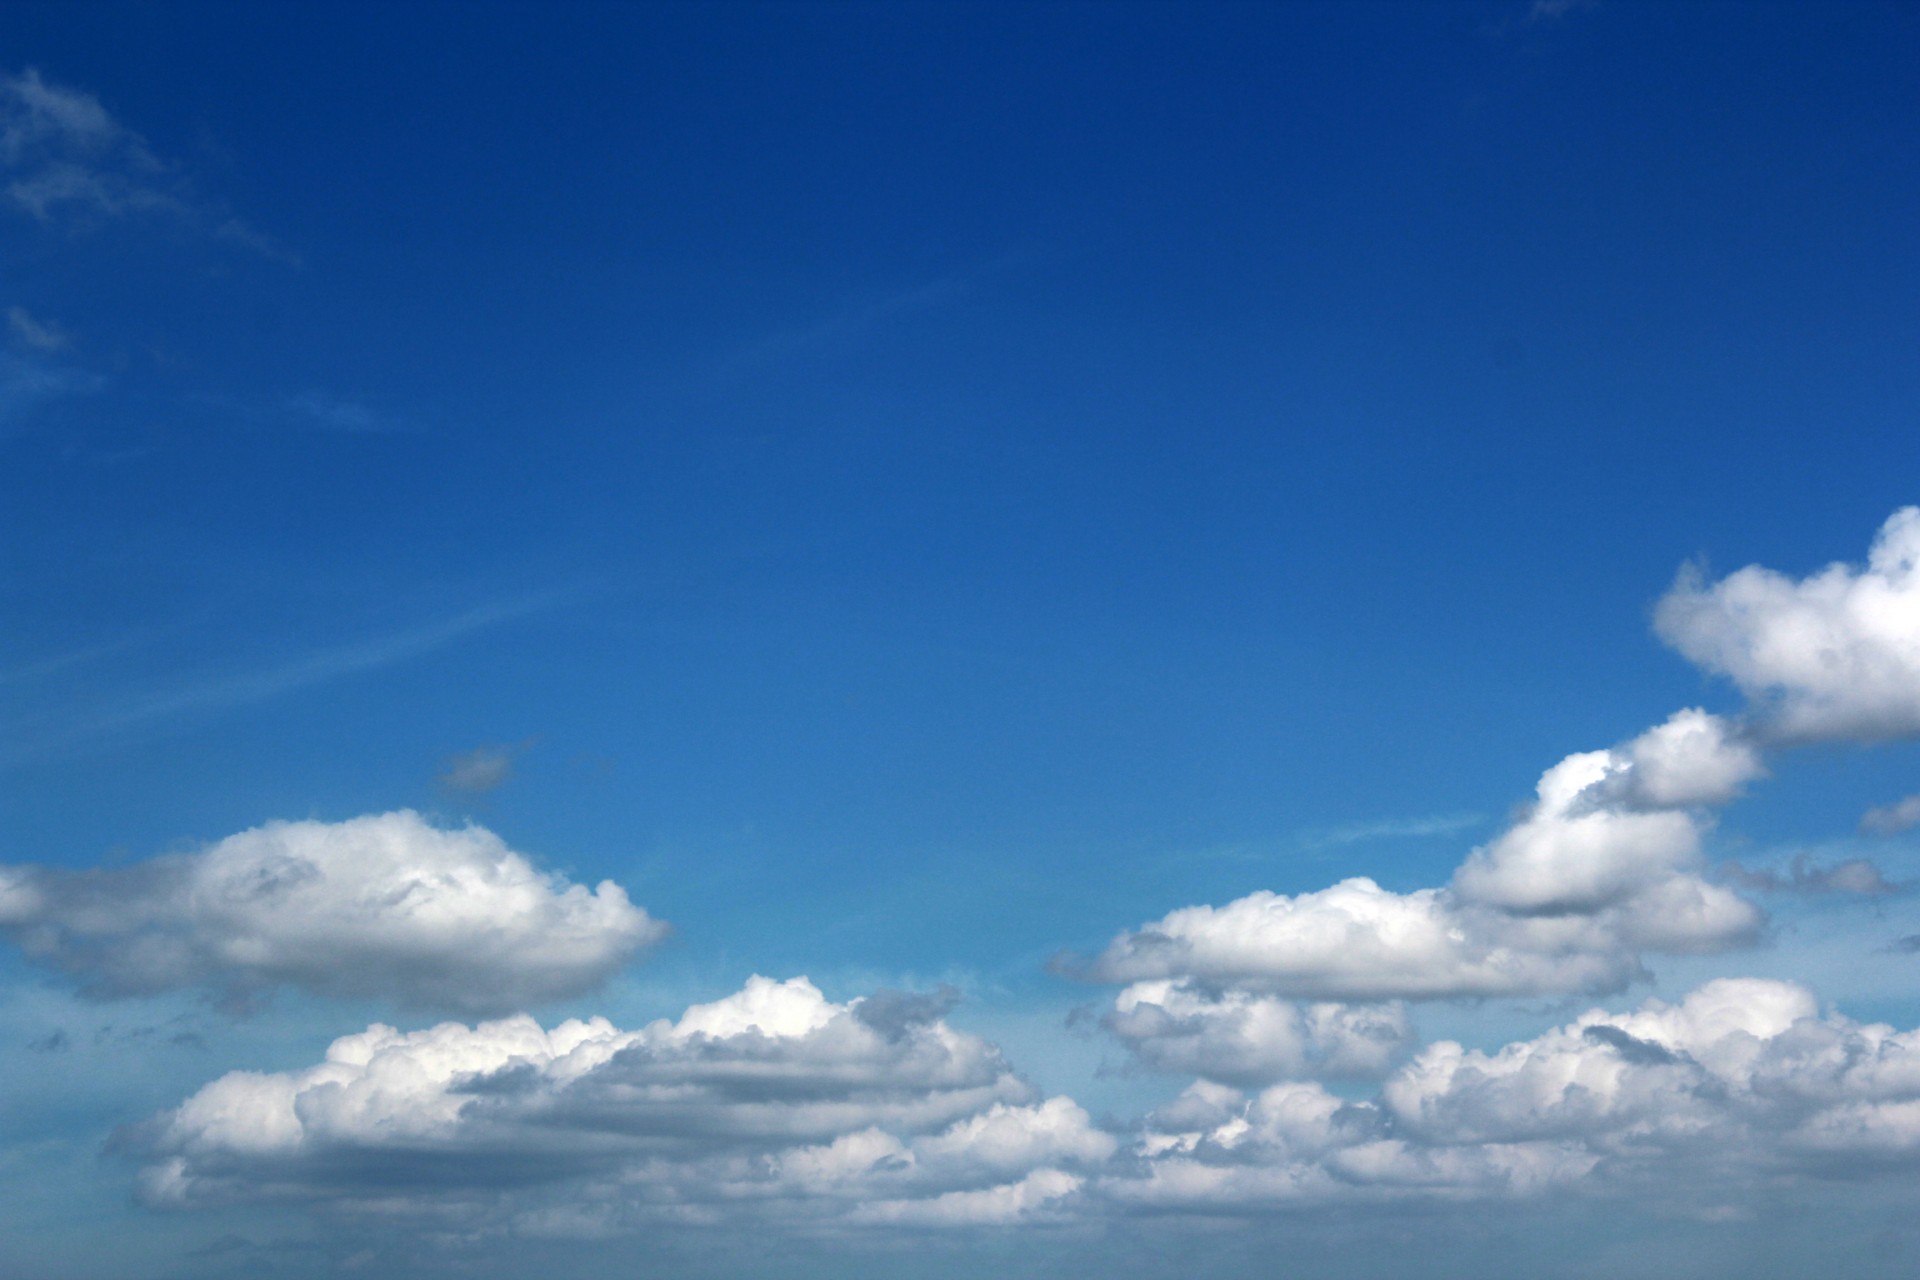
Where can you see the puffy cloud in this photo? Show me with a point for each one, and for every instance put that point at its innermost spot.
(1744, 1076)
(1834, 655)
(776, 1107)
(1608, 825)
(1604, 866)
(1692, 759)
(1244, 1038)
(385, 906)
(1358, 941)
(1296, 1144)
(773, 1102)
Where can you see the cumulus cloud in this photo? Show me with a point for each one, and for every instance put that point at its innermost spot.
(1743, 1076)
(1832, 656)
(1243, 1038)
(777, 1107)
(1607, 865)
(773, 1103)
(382, 906)
(1604, 866)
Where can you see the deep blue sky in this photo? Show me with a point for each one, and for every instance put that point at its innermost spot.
(919, 487)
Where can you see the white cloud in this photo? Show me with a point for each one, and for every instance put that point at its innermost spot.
(1357, 941)
(1744, 1077)
(778, 1108)
(1243, 1038)
(773, 1103)
(1834, 655)
(1603, 867)
(385, 906)
(1608, 825)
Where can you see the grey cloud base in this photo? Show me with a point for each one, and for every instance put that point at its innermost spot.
(778, 1107)
(773, 1103)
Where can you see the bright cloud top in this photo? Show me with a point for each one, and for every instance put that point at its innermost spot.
(1606, 865)
(1834, 655)
(1604, 868)
(382, 906)
(1743, 1077)
(778, 1107)
(773, 1102)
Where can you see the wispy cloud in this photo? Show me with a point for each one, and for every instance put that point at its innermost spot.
(224, 693)
(1892, 819)
(66, 159)
(1804, 876)
(27, 383)
(860, 315)
(858, 318)
(1388, 829)
(1549, 10)
(483, 769)
(330, 413)
(42, 668)
(40, 335)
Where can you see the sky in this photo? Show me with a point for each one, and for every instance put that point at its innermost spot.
(946, 639)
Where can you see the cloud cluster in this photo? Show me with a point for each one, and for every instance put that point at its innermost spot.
(774, 1103)
(383, 906)
(1603, 869)
(1242, 1038)
(1742, 1079)
(778, 1107)
(1604, 866)
(1834, 655)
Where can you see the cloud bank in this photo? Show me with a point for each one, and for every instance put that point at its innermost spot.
(778, 1107)
(773, 1104)
(382, 906)
(1743, 1080)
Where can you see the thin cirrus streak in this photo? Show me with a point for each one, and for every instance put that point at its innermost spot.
(52, 736)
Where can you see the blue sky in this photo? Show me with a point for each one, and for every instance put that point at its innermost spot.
(913, 495)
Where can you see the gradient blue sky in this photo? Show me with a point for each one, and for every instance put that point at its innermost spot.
(910, 490)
